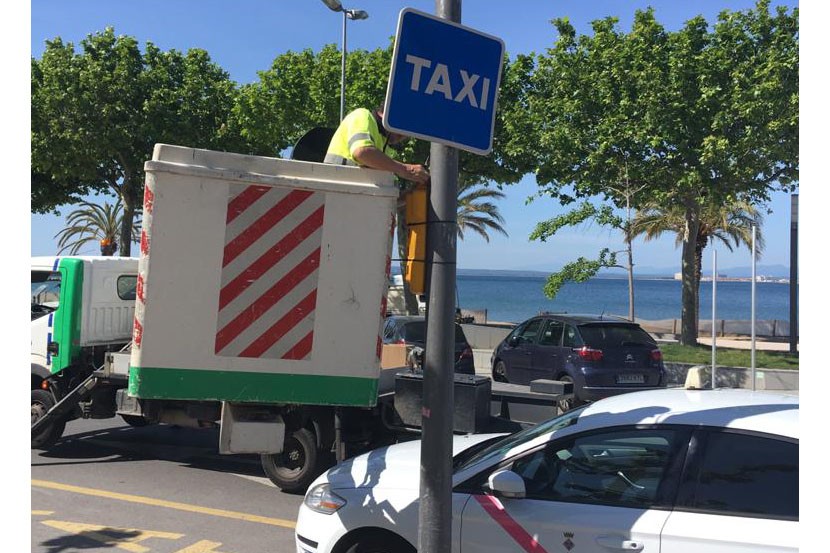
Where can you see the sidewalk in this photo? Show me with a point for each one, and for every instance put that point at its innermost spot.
(742, 342)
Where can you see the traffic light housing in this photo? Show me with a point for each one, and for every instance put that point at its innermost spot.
(416, 240)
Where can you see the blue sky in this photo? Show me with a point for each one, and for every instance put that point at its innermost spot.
(245, 36)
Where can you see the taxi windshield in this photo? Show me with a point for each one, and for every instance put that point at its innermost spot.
(501, 447)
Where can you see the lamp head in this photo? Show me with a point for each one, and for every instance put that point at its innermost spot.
(356, 14)
(334, 5)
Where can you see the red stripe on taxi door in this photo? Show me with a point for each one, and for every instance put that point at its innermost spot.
(493, 507)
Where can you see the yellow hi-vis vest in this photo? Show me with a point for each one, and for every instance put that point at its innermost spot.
(359, 128)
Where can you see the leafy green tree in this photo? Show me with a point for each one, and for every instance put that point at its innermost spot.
(97, 113)
(694, 117)
(730, 225)
(95, 223)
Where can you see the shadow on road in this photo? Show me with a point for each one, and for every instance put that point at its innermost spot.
(111, 537)
(197, 448)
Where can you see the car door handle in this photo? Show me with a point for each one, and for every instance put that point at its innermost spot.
(617, 543)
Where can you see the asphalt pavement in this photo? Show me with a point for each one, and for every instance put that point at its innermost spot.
(158, 489)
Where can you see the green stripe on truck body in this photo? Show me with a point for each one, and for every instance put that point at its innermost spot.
(250, 387)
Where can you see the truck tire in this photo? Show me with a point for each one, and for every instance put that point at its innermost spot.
(298, 465)
(42, 401)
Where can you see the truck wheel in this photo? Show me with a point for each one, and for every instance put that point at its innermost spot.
(298, 465)
(136, 421)
(42, 401)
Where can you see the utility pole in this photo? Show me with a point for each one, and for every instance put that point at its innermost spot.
(435, 509)
(794, 275)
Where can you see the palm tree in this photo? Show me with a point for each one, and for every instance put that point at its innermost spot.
(94, 223)
(730, 224)
(477, 213)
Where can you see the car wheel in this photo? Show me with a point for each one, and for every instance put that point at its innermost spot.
(500, 372)
(568, 404)
(298, 465)
(381, 543)
(46, 437)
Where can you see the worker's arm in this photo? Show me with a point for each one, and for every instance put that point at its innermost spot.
(369, 156)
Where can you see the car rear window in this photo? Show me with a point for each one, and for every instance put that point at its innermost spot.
(615, 335)
(416, 332)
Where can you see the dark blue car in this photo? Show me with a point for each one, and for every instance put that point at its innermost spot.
(603, 356)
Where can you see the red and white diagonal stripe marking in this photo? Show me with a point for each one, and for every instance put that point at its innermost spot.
(270, 267)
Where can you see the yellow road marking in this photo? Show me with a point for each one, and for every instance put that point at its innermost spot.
(123, 538)
(167, 504)
(37, 513)
(203, 546)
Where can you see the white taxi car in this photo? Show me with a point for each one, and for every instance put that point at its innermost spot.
(669, 471)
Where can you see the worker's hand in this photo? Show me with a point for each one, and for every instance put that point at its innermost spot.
(416, 173)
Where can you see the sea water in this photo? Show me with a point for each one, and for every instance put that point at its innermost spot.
(514, 299)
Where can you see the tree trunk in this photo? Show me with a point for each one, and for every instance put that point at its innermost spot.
(688, 315)
(630, 252)
(702, 242)
(128, 200)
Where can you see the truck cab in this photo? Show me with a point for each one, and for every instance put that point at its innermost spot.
(82, 307)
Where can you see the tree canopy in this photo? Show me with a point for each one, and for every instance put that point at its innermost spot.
(701, 115)
(97, 113)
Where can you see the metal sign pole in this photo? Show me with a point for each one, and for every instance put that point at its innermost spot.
(714, 306)
(752, 348)
(794, 273)
(435, 508)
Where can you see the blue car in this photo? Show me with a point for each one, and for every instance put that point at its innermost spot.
(603, 356)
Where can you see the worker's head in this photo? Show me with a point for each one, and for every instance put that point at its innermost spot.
(395, 138)
(392, 138)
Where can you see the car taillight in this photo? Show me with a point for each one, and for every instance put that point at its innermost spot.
(467, 353)
(589, 354)
(656, 355)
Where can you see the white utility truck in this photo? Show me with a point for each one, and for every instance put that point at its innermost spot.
(256, 304)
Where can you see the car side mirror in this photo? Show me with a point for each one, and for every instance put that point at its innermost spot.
(507, 484)
(514, 341)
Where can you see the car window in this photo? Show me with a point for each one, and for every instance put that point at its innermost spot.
(388, 329)
(414, 331)
(126, 286)
(552, 334)
(571, 338)
(748, 475)
(603, 336)
(500, 448)
(622, 468)
(46, 288)
(529, 332)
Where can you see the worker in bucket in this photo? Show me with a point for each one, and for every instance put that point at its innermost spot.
(361, 141)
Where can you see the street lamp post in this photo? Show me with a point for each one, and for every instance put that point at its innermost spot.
(335, 5)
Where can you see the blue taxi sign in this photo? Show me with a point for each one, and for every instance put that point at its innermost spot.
(444, 82)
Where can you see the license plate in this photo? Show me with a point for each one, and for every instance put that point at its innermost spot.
(631, 379)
